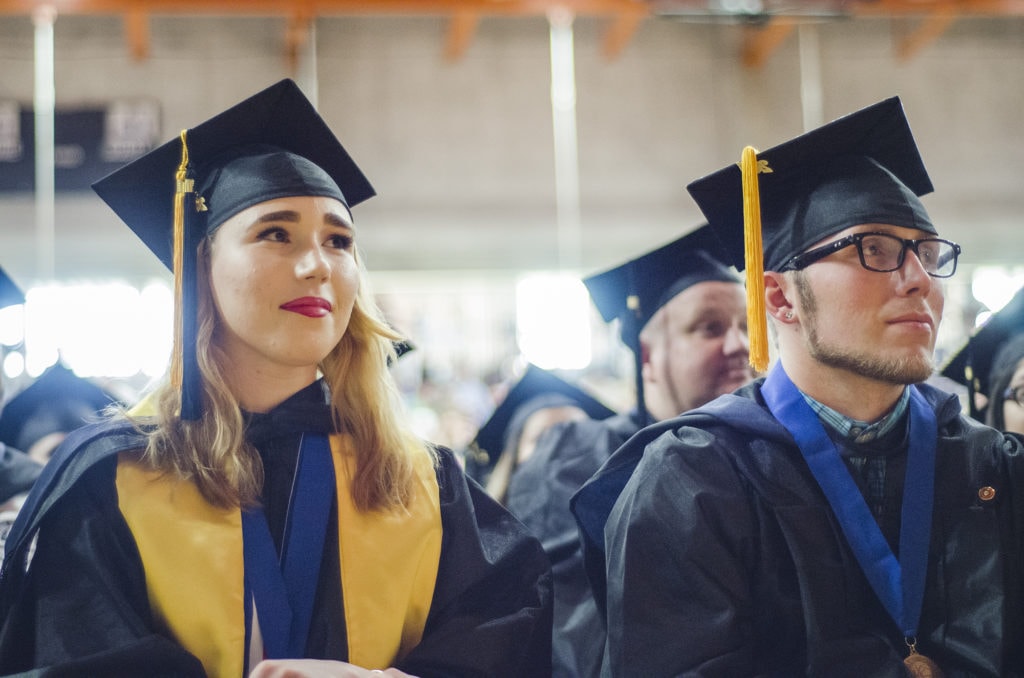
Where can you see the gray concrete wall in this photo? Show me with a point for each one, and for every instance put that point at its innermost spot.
(461, 152)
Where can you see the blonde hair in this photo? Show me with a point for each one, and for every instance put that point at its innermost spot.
(212, 452)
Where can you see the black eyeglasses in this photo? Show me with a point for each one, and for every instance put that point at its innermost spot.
(1016, 394)
(883, 253)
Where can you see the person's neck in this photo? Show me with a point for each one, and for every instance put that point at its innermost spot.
(853, 395)
(261, 389)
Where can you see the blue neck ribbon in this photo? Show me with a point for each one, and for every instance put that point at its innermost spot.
(899, 584)
(283, 587)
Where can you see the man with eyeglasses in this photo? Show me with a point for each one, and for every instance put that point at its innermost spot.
(837, 517)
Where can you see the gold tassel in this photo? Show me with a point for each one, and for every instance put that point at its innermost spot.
(183, 186)
(757, 325)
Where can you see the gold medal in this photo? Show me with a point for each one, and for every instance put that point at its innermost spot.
(920, 666)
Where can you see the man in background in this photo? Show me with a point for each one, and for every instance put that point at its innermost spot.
(682, 313)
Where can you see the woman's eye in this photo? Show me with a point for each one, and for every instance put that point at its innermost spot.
(275, 234)
(341, 242)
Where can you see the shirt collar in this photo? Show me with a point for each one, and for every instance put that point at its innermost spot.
(855, 430)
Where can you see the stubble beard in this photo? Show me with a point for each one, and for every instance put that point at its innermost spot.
(867, 363)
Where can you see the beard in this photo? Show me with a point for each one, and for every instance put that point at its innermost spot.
(867, 363)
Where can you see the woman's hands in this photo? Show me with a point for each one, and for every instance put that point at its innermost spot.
(318, 668)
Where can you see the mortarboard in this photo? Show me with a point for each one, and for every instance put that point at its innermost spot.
(977, 363)
(10, 294)
(861, 168)
(272, 145)
(535, 390)
(634, 291)
(59, 401)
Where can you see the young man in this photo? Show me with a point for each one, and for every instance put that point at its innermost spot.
(682, 313)
(837, 518)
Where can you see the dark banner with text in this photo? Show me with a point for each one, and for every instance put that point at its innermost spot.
(89, 142)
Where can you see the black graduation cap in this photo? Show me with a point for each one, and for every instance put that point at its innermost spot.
(976, 364)
(535, 390)
(272, 145)
(59, 401)
(861, 168)
(634, 291)
(230, 158)
(10, 294)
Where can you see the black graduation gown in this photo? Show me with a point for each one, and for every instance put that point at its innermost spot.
(566, 456)
(18, 472)
(82, 609)
(724, 558)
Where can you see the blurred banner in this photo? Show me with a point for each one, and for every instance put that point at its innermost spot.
(90, 142)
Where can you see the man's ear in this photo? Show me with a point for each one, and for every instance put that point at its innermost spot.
(778, 290)
(645, 359)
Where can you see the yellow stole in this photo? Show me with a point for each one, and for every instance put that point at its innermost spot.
(192, 556)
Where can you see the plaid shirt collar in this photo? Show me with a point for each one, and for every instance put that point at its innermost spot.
(859, 431)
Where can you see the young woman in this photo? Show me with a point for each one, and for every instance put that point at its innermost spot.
(274, 515)
(1006, 382)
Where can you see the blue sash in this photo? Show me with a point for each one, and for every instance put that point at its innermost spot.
(898, 584)
(283, 587)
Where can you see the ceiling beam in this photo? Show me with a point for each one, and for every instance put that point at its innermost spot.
(461, 29)
(328, 7)
(620, 32)
(482, 7)
(927, 32)
(625, 17)
(296, 37)
(136, 30)
(760, 42)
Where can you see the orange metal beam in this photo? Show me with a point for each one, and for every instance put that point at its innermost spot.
(621, 31)
(626, 16)
(461, 30)
(136, 29)
(482, 7)
(327, 7)
(761, 41)
(927, 32)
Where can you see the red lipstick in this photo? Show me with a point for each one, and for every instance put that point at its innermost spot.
(311, 307)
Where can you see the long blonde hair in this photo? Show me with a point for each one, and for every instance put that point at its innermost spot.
(212, 452)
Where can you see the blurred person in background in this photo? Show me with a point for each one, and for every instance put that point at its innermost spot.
(537, 401)
(682, 313)
(41, 415)
(18, 472)
(991, 365)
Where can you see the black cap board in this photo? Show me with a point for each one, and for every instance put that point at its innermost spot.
(861, 168)
(633, 291)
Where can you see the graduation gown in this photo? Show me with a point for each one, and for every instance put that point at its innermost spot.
(724, 557)
(18, 472)
(566, 456)
(81, 608)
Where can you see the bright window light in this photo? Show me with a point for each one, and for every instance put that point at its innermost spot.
(994, 286)
(98, 329)
(156, 311)
(14, 365)
(553, 321)
(12, 325)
